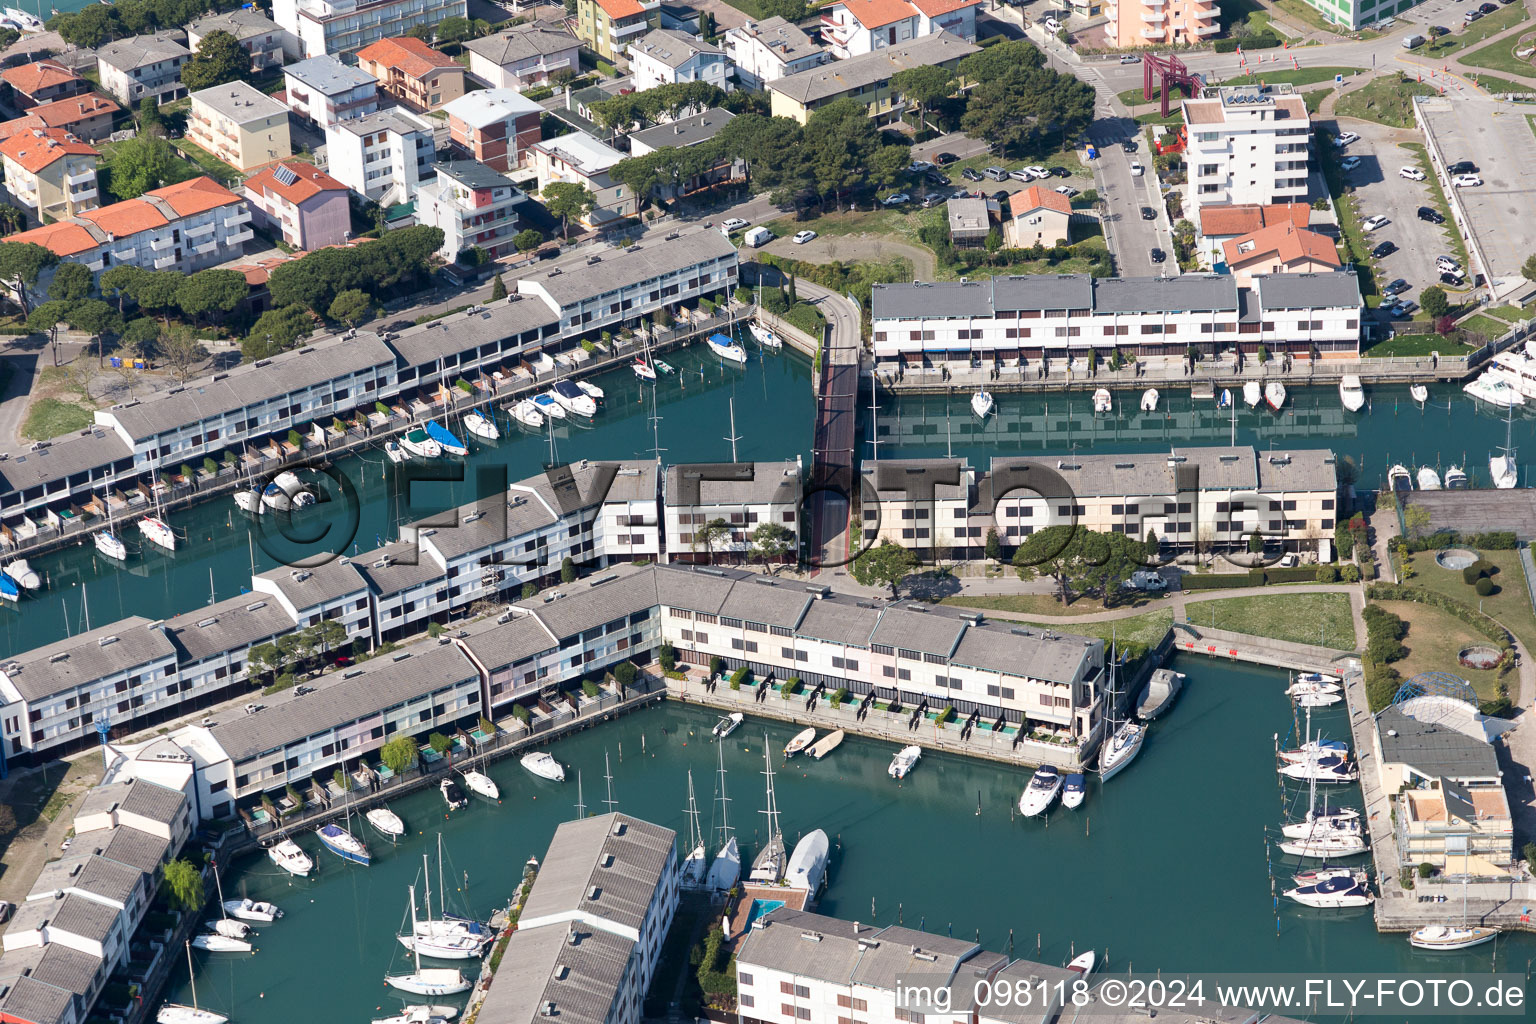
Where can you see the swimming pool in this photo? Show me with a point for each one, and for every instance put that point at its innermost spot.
(761, 908)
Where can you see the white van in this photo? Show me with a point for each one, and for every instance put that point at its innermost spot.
(758, 236)
(1409, 42)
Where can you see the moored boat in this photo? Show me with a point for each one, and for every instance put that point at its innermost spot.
(1351, 392)
(727, 725)
(591, 390)
(1103, 401)
(453, 795)
(1419, 393)
(227, 928)
(824, 746)
(547, 407)
(1074, 787)
(573, 398)
(1149, 400)
(643, 369)
(1399, 479)
(1316, 748)
(417, 442)
(1456, 479)
(1494, 390)
(253, 910)
(1343, 821)
(1333, 893)
(22, 572)
(726, 349)
(111, 545)
(481, 424)
(1328, 768)
(158, 532)
(764, 336)
(527, 413)
(180, 1013)
(1121, 749)
(430, 981)
(801, 740)
(392, 450)
(1224, 400)
(446, 439)
(215, 943)
(1043, 788)
(1159, 693)
(807, 867)
(1429, 479)
(1253, 393)
(481, 783)
(1448, 938)
(982, 404)
(386, 821)
(905, 760)
(1082, 964)
(544, 765)
(291, 858)
(343, 843)
(1274, 395)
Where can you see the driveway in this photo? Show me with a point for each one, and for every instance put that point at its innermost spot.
(958, 143)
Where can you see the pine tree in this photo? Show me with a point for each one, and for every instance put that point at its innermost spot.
(498, 288)
(793, 298)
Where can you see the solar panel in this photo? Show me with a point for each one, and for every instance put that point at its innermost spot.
(285, 175)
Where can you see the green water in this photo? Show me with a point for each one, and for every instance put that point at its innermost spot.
(1165, 868)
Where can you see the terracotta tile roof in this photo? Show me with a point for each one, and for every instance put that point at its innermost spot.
(62, 113)
(616, 9)
(126, 218)
(38, 148)
(1285, 241)
(26, 123)
(407, 54)
(936, 8)
(876, 13)
(65, 238)
(195, 196)
(32, 78)
(311, 181)
(1035, 198)
(1224, 219)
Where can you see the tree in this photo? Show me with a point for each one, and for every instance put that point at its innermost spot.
(792, 296)
(1528, 268)
(498, 288)
(142, 163)
(137, 338)
(994, 544)
(180, 349)
(528, 239)
(1434, 302)
(567, 570)
(150, 118)
(95, 318)
(1416, 518)
(81, 373)
(184, 884)
(566, 199)
(1020, 104)
(924, 85)
(20, 265)
(71, 282)
(1154, 546)
(117, 282)
(156, 290)
(473, 256)
(351, 307)
(710, 534)
(399, 754)
(529, 590)
(706, 26)
(45, 319)
(1079, 560)
(772, 541)
(886, 565)
(211, 291)
(1255, 543)
(275, 331)
(219, 59)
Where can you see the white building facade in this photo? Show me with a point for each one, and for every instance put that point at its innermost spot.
(383, 156)
(1248, 144)
(316, 27)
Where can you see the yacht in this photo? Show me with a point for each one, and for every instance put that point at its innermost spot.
(110, 544)
(1328, 768)
(1315, 748)
(591, 390)
(416, 442)
(25, 21)
(446, 439)
(343, 843)
(643, 369)
(1253, 393)
(1121, 749)
(216, 943)
(1399, 479)
(1325, 847)
(1318, 700)
(1332, 893)
(808, 863)
(573, 398)
(1429, 480)
(1043, 788)
(543, 764)
(180, 1013)
(392, 451)
(1073, 788)
(1419, 393)
(1103, 401)
(479, 782)
(526, 413)
(158, 532)
(1448, 938)
(547, 407)
(285, 492)
(481, 424)
(1311, 876)
(22, 572)
(1516, 369)
(802, 739)
(229, 929)
(1274, 395)
(1149, 400)
(905, 760)
(1456, 479)
(982, 404)
(1351, 393)
(1341, 822)
(1159, 693)
(764, 336)
(291, 858)
(824, 746)
(419, 1015)
(253, 910)
(1305, 686)
(433, 981)
(1494, 390)
(387, 822)
(453, 795)
(727, 349)
(695, 870)
(727, 725)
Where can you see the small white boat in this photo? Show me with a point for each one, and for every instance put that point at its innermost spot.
(1318, 700)
(1429, 480)
(1502, 468)
(1448, 938)
(1044, 786)
(179, 1013)
(982, 404)
(419, 443)
(802, 739)
(22, 572)
(764, 336)
(1329, 768)
(1274, 395)
(807, 866)
(1082, 964)
(444, 945)
(547, 407)
(573, 398)
(479, 782)
(386, 821)
(1103, 401)
(430, 981)
(253, 910)
(481, 425)
(544, 765)
(1311, 876)
(1333, 893)
(592, 391)
(643, 369)
(1253, 393)
(285, 492)
(526, 413)
(1495, 391)
(1121, 749)
(215, 943)
(1419, 393)
(1159, 693)
(1399, 479)
(1308, 687)
(1073, 788)
(1351, 393)
(414, 1015)
(726, 349)
(905, 760)
(227, 928)
(1342, 822)
(728, 725)
(1224, 400)
(453, 796)
(111, 545)
(1456, 479)
(291, 858)
(158, 532)
(1149, 400)
(392, 450)
(1315, 748)
(824, 746)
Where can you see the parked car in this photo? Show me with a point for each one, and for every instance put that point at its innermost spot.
(1349, 163)
(1060, 172)
(933, 199)
(1021, 175)
(919, 166)
(971, 174)
(1067, 190)
(1431, 214)
(896, 199)
(1470, 16)
(1000, 196)
(1158, 255)
(1147, 213)
(996, 173)
(1037, 172)
(1411, 173)
(1130, 58)
(1466, 181)
(1395, 287)
(1345, 138)
(801, 237)
(1462, 167)
(1137, 170)
(1489, 8)
(1373, 223)
(1384, 249)
(251, 709)
(1143, 579)
(944, 159)
(1454, 280)
(1406, 307)
(734, 223)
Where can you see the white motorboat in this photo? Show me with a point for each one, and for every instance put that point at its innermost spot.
(453, 795)
(111, 545)
(25, 21)
(1309, 876)
(158, 532)
(764, 336)
(419, 443)
(392, 450)
(387, 822)
(526, 413)
(1224, 400)
(1494, 390)
(1159, 693)
(544, 765)
(215, 943)
(1082, 964)
(1274, 395)
(1429, 480)
(1044, 786)
(801, 740)
(1103, 401)
(1399, 479)
(807, 867)
(1444, 938)
(430, 981)
(726, 349)
(824, 746)
(643, 369)
(1121, 749)
(285, 492)
(1074, 787)
(1253, 393)
(1317, 677)
(1456, 479)
(481, 425)
(1419, 393)
(591, 390)
(227, 928)
(982, 404)
(253, 910)
(291, 858)
(1328, 768)
(1351, 393)
(547, 407)
(1333, 893)
(1149, 400)
(1318, 700)
(481, 783)
(905, 760)
(573, 398)
(180, 1013)
(25, 576)
(1304, 687)
(727, 725)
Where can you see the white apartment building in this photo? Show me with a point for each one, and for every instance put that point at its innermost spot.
(257, 34)
(742, 494)
(474, 206)
(579, 158)
(852, 27)
(383, 156)
(325, 91)
(317, 27)
(143, 67)
(630, 523)
(664, 57)
(765, 50)
(1160, 22)
(1247, 144)
(1006, 320)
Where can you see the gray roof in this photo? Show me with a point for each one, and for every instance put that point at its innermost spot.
(316, 585)
(523, 42)
(696, 589)
(251, 383)
(619, 858)
(327, 75)
(140, 51)
(240, 23)
(1340, 288)
(784, 38)
(633, 480)
(1433, 750)
(684, 132)
(71, 913)
(55, 964)
(968, 215)
(473, 174)
(732, 483)
(230, 625)
(843, 76)
(1041, 291)
(1185, 293)
(843, 952)
(918, 627)
(924, 299)
(1307, 469)
(464, 332)
(894, 479)
(497, 645)
(390, 119)
(1135, 475)
(768, 601)
(840, 619)
(84, 658)
(241, 102)
(906, 953)
(142, 850)
(591, 602)
(577, 968)
(108, 879)
(648, 259)
(970, 989)
(91, 448)
(343, 697)
(397, 567)
(153, 801)
(674, 49)
(36, 1001)
(1019, 650)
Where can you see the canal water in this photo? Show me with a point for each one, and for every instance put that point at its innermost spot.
(1164, 868)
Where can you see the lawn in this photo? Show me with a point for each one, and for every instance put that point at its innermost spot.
(1304, 12)
(1414, 345)
(1433, 640)
(1508, 604)
(1491, 25)
(1449, 229)
(1513, 314)
(1494, 84)
(1322, 620)
(1134, 97)
(902, 222)
(210, 164)
(1387, 101)
(1484, 325)
(51, 417)
(1500, 56)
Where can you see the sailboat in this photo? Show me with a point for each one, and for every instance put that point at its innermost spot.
(479, 782)
(768, 865)
(1253, 393)
(1274, 395)
(213, 942)
(26, 577)
(727, 349)
(1224, 401)
(725, 872)
(1312, 840)
(443, 937)
(446, 439)
(695, 870)
(482, 424)
(387, 822)
(1445, 938)
(107, 541)
(643, 368)
(1125, 741)
(343, 843)
(982, 403)
(1502, 467)
(432, 981)
(155, 529)
(420, 1015)
(180, 1013)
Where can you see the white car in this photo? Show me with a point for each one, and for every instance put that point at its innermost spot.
(801, 237)
(1137, 170)
(919, 166)
(1345, 139)
(1466, 181)
(1037, 172)
(1378, 221)
(1411, 173)
(734, 223)
(1067, 190)
(1349, 163)
(1446, 265)
(896, 199)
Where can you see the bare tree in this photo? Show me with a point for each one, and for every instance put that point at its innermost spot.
(81, 372)
(181, 350)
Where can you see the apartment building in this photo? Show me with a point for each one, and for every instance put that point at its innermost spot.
(609, 26)
(417, 76)
(87, 117)
(853, 27)
(578, 157)
(318, 27)
(666, 57)
(684, 133)
(42, 81)
(384, 156)
(773, 48)
(240, 125)
(186, 227)
(1355, 14)
(494, 126)
(1009, 319)
(1248, 144)
(1132, 23)
(50, 172)
(474, 206)
(257, 34)
(302, 204)
(523, 56)
(865, 77)
(142, 67)
(1282, 249)
(326, 92)
(742, 495)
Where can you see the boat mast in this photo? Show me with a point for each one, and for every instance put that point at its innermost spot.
(426, 879)
(442, 890)
(725, 827)
(733, 439)
(581, 807)
(695, 834)
(192, 975)
(773, 805)
(415, 953)
(610, 802)
(219, 884)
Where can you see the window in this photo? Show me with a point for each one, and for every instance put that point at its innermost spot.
(786, 989)
(743, 998)
(743, 978)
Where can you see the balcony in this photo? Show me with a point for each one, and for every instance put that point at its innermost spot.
(165, 262)
(86, 176)
(1153, 17)
(1151, 33)
(1207, 30)
(240, 237)
(160, 243)
(206, 247)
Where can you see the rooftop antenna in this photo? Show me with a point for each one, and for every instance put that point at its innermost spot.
(734, 436)
(608, 774)
(581, 806)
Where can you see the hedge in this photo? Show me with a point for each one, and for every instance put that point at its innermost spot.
(741, 675)
(1496, 540)
(1259, 41)
(1219, 581)
(1484, 624)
